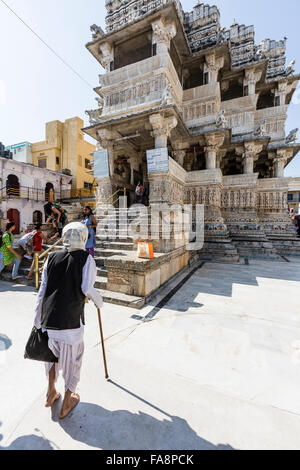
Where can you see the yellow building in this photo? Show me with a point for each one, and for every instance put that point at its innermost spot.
(66, 149)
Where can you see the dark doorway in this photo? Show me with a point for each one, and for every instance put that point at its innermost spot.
(37, 217)
(13, 215)
(12, 186)
(49, 192)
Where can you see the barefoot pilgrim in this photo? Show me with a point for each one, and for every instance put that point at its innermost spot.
(68, 278)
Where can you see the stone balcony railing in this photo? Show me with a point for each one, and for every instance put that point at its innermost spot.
(140, 86)
(201, 105)
(240, 113)
(275, 120)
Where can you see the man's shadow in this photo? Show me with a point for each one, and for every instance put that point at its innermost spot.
(123, 430)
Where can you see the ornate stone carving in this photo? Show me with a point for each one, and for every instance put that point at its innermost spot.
(213, 143)
(162, 128)
(290, 70)
(94, 116)
(292, 136)
(121, 14)
(167, 97)
(213, 65)
(221, 121)
(252, 76)
(106, 55)
(163, 34)
(97, 32)
(260, 129)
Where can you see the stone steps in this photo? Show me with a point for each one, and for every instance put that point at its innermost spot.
(101, 282)
(117, 246)
(125, 300)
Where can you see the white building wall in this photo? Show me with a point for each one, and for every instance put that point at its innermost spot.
(21, 152)
(31, 177)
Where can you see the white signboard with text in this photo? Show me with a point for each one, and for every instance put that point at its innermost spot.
(158, 160)
(101, 167)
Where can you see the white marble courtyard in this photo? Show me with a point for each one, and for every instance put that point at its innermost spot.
(218, 367)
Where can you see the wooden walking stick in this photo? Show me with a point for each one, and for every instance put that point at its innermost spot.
(102, 342)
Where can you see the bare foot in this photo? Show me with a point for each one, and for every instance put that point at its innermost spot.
(68, 405)
(52, 398)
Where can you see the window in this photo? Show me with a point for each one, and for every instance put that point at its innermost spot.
(299, 197)
(42, 163)
(206, 78)
(277, 100)
(87, 164)
(290, 197)
(88, 185)
(57, 160)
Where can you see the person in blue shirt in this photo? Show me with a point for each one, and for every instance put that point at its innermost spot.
(90, 221)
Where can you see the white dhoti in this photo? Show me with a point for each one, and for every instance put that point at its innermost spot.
(69, 362)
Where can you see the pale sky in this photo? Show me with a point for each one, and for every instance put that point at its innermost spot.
(35, 87)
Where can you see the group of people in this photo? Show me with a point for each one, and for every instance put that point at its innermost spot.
(12, 253)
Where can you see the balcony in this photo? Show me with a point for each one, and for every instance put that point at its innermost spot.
(139, 87)
(240, 113)
(23, 192)
(201, 105)
(275, 120)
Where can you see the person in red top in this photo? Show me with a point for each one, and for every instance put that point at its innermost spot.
(38, 240)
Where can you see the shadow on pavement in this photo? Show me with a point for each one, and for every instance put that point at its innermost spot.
(29, 442)
(5, 342)
(122, 430)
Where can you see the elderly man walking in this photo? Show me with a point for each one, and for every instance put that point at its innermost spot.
(68, 278)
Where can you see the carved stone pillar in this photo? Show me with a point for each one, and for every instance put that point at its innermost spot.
(134, 166)
(250, 155)
(212, 66)
(162, 35)
(180, 152)
(162, 128)
(279, 164)
(106, 55)
(251, 78)
(280, 160)
(106, 142)
(213, 143)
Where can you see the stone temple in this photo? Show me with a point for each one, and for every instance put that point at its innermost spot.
(218, 101)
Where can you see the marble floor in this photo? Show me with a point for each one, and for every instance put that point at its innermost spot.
(217, 367)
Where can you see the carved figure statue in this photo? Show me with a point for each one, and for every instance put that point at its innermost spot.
(221, 36)
(221, 121)
(260, 129)
(292, 137)
(94, 115)
(167, 97)
(100, 102)
(97, 31)
(260, 54)
(290, 68)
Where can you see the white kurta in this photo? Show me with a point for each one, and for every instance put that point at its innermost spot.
(68, 345)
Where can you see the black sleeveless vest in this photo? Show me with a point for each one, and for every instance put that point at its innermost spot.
(63, 304)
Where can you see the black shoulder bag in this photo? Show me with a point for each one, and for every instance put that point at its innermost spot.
(37, 348)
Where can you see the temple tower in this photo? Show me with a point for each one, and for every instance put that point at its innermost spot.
(217, 101)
